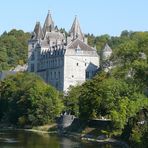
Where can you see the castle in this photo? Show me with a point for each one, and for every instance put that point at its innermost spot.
(61, 59)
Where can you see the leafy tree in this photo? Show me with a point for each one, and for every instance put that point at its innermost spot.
(26, 98)
(91, 40)
(100, 41)
(3, 59)
(71, 100)
(13, 48)
(90, 98)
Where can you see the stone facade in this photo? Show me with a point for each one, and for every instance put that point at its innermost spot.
(61, 60)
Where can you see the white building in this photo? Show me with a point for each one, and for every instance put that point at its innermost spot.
(61, 60)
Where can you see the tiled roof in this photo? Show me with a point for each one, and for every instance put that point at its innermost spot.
(78, 43)
(55, 35)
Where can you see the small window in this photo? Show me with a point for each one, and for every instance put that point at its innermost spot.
(87, 75)
(85, 64)
(51, 75)
(32, 45)
(59, 74)
(59, 62)
(32, 57)
(77, 64)
(55, 75)
(72, 76)
(32, 67)
(48, 41)
(55, 62)
(48, 63)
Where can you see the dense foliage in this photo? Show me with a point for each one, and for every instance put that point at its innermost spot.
(120, 94)
(26, 99)
(13, 49)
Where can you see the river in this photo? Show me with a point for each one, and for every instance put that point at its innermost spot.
(27, 139)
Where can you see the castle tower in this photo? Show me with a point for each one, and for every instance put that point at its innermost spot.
(49, 24)
(75, 31)
(106, 52)
(38, 33)
(105, 55)
(35, 40)
(58, 62)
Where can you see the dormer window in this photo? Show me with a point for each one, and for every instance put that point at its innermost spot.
(48, 42)
(32, 57)
(78, 49)
(32, 45)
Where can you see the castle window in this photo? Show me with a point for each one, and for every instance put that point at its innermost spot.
(32, 57)
(59, 74)
(78, 50)
(51, 75)
(52, 63)
(55, 62)
(32, 45)
(48, 41)
(87, 75)
(59, 62)
(93, 73)
(62, 62)
(72, 76)
(85, 64)
(48, 63)
(55, 75)
(32, 67)
(77, 64)
(38, 66)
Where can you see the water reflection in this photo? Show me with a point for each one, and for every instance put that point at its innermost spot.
(26, 139)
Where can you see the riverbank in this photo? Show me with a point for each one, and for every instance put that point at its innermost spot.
(52, 129)
(83, 135)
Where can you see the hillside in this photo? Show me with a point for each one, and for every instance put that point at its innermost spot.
(13, 45)
(13, 49)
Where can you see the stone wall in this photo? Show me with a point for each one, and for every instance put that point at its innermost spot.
(70, 121)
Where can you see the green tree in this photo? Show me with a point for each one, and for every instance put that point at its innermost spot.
(3, 59)
(71, 100)
(13, 48)
(25, 97)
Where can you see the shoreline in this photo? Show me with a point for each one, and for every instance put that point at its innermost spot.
(71, 135)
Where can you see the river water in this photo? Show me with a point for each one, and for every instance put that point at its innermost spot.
(27, 139)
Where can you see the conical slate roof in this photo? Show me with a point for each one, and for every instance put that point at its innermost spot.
(75, 31)
(38, 31)
(49, 24)
(106, 52)
(106, 48)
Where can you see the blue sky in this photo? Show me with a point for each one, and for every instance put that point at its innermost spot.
(95, 16)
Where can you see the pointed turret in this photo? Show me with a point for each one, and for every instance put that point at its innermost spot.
(38, 33)
(75, 31)
(106, 52)
(49, 24)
